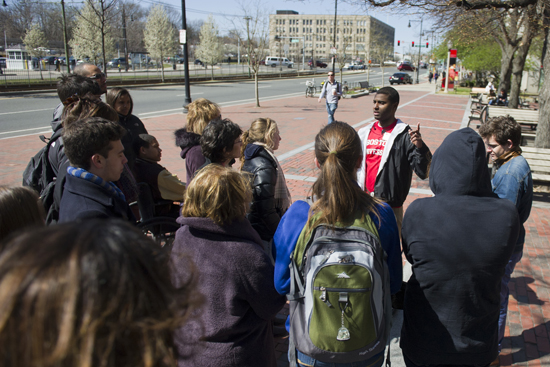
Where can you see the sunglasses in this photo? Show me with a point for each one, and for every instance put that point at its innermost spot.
(98, 76)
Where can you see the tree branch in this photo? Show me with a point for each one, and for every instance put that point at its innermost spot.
(492, 4)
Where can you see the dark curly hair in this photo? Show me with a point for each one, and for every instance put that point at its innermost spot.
(218, 138)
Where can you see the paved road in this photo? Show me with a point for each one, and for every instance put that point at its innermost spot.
(25, 114)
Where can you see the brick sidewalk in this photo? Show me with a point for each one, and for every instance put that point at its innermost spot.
(527, 341)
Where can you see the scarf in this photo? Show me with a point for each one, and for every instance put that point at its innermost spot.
(85, 175)
(514, 152)
(282, 195)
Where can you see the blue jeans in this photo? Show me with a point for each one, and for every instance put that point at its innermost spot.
(505, 294)
(331, 107)
(307, 361)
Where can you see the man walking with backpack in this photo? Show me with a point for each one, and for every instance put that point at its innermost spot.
(332, 90)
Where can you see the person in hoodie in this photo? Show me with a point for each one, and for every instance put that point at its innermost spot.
(452, 300)
(121, 101)
(199, 113)
(235, 275)
(271, 197)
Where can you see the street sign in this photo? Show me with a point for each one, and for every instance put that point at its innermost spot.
(295, 40)
(183, 38)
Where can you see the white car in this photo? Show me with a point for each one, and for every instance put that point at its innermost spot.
(276, 61)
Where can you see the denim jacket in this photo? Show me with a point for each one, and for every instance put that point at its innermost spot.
(513, 181)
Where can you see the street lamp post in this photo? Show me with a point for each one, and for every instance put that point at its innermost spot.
(334, 40)
(185, 58)
(247, 18)
(449, 45)
(419, 49)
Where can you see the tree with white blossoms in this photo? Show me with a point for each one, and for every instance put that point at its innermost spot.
(210, 50)
(93, 34)
(36, 43)
(160, 36)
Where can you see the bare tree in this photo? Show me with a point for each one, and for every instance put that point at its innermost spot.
(36, 43)
(252, 30)
(160, 35)
(210, 49)
(378, 50)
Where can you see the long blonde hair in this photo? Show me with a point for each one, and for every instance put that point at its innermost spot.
(199, 113)
(262, 130)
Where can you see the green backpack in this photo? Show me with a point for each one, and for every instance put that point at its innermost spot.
(340, 302)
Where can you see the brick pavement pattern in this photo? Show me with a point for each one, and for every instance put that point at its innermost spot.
(527, 338)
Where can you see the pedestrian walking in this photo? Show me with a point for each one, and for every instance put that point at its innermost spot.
(436, 75)
(332, 90)
(430, 77)
(57, 65)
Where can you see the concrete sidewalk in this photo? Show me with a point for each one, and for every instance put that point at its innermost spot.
(527, 341)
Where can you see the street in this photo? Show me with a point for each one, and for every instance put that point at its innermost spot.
(28, 114)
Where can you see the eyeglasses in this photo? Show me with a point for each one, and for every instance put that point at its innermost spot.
(331, 75)
(98, 76)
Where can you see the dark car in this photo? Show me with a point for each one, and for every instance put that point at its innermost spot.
(318, 64)
(118, 62)
(198, 62)
(406, 66)
(401, 78)
(50, 60)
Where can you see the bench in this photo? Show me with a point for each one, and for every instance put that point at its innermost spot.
(524, 117)
(539, 161)
(365, 85)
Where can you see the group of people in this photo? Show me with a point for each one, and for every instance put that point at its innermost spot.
(98, 292)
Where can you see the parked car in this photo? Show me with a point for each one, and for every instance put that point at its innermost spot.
(406, 66)
(423, 65)
(50, 60)
(401, 78)
(318, 63)
(118, 62)
(276, 61)
(356, 66)
(198, 62)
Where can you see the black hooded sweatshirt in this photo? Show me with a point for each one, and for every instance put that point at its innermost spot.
(458, 243)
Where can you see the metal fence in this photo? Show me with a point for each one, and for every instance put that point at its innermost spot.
(148, 73)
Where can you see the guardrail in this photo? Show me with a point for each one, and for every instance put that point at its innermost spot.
(25, 79)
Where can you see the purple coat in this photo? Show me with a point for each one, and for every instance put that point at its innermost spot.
(190, 151)
(236, 278)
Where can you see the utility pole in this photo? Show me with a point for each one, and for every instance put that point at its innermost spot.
(185, 58)
(334, 39)
(124, 37)
(419, 48)
(65, 37)
(247, 18)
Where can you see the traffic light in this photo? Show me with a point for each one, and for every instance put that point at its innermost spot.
(398, 43)
(413, 43)
(427, 44)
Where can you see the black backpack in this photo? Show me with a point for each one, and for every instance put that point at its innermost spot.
(39, 174)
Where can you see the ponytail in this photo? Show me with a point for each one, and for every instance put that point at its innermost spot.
(261, 130)
(337, 194)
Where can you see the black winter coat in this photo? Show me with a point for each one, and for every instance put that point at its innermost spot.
(264, 215)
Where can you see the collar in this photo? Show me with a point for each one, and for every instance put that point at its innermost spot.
(85, 175)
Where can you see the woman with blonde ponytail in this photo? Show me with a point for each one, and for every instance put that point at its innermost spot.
(271, 196)
(338, 202)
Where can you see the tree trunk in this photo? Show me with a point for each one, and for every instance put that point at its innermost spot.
(506, 65)
(542, 139)
(162, 67)
(529, 31)
(256, 87)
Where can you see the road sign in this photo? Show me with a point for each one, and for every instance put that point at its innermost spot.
(183, 36)
(295, 40)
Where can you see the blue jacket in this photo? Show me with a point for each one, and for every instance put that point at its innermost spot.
(84, 199)
(295, 219)
(513, 181)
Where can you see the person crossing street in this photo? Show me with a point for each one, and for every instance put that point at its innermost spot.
(332, 90)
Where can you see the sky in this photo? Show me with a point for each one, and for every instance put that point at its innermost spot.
(224, 10)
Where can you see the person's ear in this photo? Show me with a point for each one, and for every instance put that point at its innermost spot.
(142, 150)
(97, 161)
(317, 163)
(509, 144)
